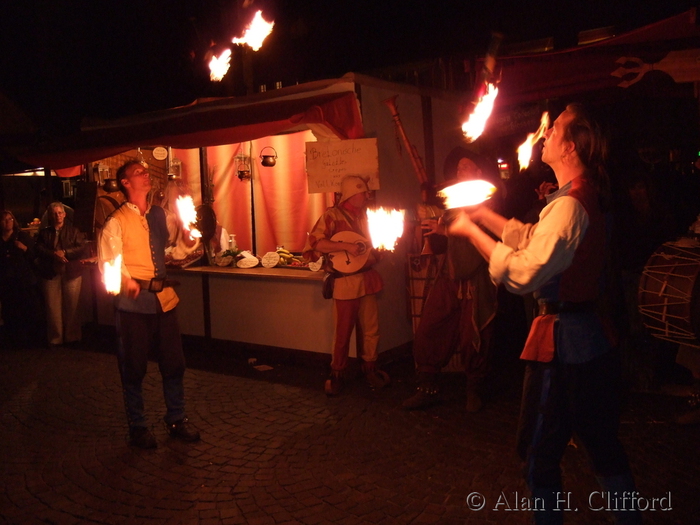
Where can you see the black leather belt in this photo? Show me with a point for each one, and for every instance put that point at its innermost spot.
(558, 307)
(156, 284)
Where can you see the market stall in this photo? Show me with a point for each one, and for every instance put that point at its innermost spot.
(215, 150)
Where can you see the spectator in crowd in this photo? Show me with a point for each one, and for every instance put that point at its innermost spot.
(20, 302)
(60, 247)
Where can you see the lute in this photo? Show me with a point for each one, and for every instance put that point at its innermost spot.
(343, 261)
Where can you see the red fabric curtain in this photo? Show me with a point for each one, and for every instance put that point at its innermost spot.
(70, 172)
(284, 210)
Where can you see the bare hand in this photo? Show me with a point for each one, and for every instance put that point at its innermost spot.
(352, 248)
(462, 225)
(60, 255)
(132, 289)
(432, 227)
(545, 189)
(21, 246)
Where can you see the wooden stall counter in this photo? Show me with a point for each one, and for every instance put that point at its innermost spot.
(276, 307)
(279, 307)
(258, 272)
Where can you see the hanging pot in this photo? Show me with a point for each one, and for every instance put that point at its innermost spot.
(243, 171)
(268, 160)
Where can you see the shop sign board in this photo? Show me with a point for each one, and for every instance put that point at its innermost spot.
(328, 162)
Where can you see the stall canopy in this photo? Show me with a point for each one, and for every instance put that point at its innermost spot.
(330, 108)
(330, 115)
(671, 46)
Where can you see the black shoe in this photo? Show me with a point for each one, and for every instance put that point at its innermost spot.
(183, 430)
(141, 437)
(425, 396)
(334, 384)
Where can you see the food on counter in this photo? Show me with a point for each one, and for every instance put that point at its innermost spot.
(287, 258)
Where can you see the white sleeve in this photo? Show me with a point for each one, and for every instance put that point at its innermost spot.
(110, 244)
(532, 254)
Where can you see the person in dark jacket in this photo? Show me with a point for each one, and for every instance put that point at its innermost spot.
(60, 247)
(19, 292)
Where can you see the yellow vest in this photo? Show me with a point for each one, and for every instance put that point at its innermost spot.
(136, 252)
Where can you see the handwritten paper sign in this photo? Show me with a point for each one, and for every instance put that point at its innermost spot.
(328, 162)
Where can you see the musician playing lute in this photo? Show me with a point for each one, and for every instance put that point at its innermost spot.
(354, 293)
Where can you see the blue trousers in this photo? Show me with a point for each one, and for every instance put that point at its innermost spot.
(561, 400)
(158, 335)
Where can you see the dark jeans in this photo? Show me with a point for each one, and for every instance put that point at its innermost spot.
(138, 335)
(560, 400)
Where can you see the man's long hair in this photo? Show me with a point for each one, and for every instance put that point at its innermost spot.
(591, 145)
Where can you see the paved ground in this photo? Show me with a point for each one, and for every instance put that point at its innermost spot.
(276, 450)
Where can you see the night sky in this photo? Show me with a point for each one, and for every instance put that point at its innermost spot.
(65, 60)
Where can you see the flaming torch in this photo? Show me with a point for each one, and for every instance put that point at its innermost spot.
(188, 215)
(112, 275)
(485, 93)
(474, 127)
(256, 32)
(385, 227)
(254, 35)
(218, 66)
(467, 193)
(525, 149)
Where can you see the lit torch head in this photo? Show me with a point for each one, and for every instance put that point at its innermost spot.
(254, 36)
(525, 149)
(467, 193)
(112, 275)
(218, 66)
(188, 215)
(385, 227)
(256, 32)
(474, 126)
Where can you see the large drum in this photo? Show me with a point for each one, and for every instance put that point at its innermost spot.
(669, 298)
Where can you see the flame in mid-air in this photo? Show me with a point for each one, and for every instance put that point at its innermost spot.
(525, 149)
(385, 227)
(254, 35)
(256, 32)
(467, 193)
(188, 215)
(112, 275)
(218, 66)
(474, 126)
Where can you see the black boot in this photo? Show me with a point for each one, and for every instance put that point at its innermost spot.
(546, 506)
(621, 489)
(426, 394)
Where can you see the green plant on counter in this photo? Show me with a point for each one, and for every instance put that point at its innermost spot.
(230, 253)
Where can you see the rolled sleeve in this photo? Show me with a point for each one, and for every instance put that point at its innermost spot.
(530, 255)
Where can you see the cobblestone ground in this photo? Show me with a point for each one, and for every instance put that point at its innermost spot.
(276, 450)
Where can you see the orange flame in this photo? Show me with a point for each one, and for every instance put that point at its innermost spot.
(474, 127)
(218, 66)
(256, 32)
(112, 275)
(385, 227)
(188, 215)
(525, 149)
(467, 193)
